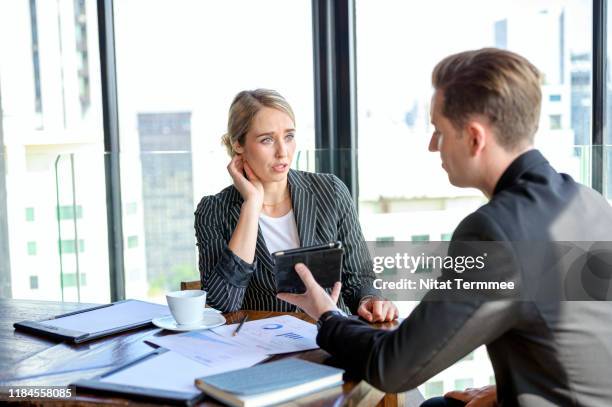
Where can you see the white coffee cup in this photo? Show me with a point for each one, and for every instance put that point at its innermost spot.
(187, 306)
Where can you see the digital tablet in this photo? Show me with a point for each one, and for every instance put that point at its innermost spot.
(324, 261)
(92, 323)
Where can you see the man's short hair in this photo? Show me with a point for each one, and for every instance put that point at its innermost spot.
(498, 84)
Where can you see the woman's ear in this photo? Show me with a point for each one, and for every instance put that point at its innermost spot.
(238, 148)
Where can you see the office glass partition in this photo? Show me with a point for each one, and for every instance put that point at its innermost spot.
(158, 215)
(80, 221)
(161, 190)
(607, 174)
(177, 76)
(607, 136)
(53, 225)
(404, 194)
(157, 212)
(51, 111)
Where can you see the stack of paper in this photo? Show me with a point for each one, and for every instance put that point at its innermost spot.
(213, 351)
(171, 373)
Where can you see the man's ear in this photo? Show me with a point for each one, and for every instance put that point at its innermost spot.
(477, 137)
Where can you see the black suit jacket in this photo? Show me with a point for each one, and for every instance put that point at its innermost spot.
(544, 352)
(324, 212)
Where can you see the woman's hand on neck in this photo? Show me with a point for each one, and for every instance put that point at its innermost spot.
(250, 187)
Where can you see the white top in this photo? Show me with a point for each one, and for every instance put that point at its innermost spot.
(279, 233)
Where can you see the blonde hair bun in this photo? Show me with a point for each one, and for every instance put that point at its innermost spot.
(244, 107)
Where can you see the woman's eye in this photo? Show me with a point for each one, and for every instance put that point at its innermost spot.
(267, 140)
(290, 136)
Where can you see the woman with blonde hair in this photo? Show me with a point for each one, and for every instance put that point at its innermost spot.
(271, 207)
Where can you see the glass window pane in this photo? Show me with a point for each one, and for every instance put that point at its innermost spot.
(29, 214)
(69, 246)
(67, 212)
(175, 88)
(462, 384)
(31, 248)
(398, 44)
(33, 282)
(132, 242)
(607, 150)
(434, 389)
(70, 280)
(51, 149)
(469, 356)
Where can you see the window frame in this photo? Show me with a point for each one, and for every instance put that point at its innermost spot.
(334, 64)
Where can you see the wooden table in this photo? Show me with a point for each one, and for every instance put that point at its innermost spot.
(28, 360)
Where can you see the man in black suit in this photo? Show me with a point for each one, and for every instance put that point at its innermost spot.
(544, 351)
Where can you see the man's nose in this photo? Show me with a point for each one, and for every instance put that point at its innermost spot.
(433, 143)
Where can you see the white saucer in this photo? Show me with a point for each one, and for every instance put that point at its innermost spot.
(209, 320)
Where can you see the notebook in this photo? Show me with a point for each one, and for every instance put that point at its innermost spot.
(270, 383)
(147, 379)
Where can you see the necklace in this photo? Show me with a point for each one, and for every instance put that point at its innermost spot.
(277, 203)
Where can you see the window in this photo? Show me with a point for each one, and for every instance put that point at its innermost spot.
(132, 242)
(67, 212)
(69, 246)
(607, 153)
(32, 249)
(80, 18)
(35, 56)
(434, 389)
(445, 237)
(70, 280)
(469, 356)
(462, 384)
(420, 238)
(51, 147)
(394, 97)
(555, 121)
(33, 282)
(176, 86)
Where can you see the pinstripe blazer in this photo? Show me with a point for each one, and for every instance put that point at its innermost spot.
(324, 212)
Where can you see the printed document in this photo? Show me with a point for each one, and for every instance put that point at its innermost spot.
(168, 371)
(276, 335)
(213, 351)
